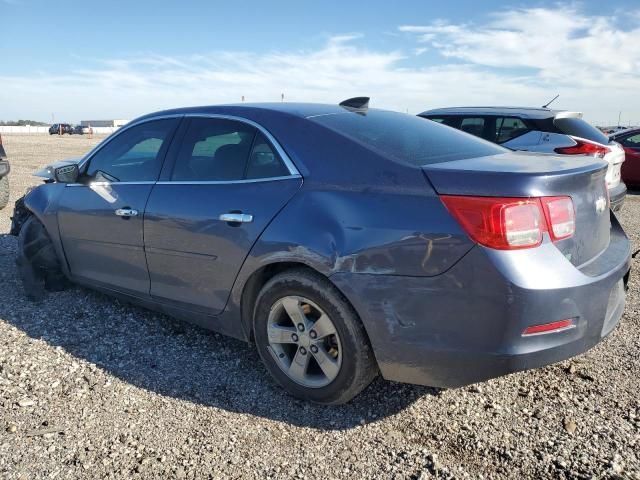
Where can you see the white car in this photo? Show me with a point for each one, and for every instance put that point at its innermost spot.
(540, 130)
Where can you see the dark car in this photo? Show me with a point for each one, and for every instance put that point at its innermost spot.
(539, 130)
(60, 129)
(4, 177)
(344, 241)
(80, 130)
(630, 141)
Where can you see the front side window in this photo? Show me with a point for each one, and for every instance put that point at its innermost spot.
(214, 149)
(508, 128)
(631, 142)
(135, 155)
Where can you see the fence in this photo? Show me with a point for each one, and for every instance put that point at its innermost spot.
(28, 130)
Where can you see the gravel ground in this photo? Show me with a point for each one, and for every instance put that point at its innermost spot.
(91, 388)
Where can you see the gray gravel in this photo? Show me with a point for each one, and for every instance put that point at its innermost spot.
(91, 388)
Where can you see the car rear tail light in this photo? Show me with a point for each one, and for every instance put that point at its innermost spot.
(549, 327)
(560, 216)
(496, 222)
(584, 147)
(507, 223)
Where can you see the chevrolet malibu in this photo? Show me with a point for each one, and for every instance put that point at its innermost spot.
(343, 241)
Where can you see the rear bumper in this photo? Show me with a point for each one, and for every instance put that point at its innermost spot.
(617, 195)
(466, 325)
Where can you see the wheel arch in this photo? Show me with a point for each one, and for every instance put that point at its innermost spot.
(41, 202)
(258, 278)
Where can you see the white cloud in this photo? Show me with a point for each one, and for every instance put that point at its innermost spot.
(562, 47)
(520, 57)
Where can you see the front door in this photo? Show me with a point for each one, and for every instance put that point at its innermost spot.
(631, 166)
(227, 184)
(101, 217)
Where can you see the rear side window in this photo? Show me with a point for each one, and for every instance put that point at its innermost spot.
(508, 128)
(579, 128)
(473, 125)
(446, 120)
(407, 138)
(264, 161)
(214, 150)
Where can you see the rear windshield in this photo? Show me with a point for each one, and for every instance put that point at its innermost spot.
(579, 128)
(407, 138)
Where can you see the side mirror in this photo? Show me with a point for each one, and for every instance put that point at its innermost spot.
(67, 174)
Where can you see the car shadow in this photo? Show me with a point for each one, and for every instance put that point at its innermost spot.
(159, 354)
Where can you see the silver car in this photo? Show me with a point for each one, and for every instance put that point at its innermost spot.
(539, 130)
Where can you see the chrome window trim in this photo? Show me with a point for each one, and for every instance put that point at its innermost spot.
(105, 184)
(293, 171)
(226, 182)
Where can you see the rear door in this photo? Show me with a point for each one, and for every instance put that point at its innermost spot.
(227, 182)
(101, 217)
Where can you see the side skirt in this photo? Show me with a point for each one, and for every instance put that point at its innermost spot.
(223, 323)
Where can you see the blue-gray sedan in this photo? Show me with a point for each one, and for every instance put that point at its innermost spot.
(344, 241)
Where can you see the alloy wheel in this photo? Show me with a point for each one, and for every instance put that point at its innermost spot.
(304, 342)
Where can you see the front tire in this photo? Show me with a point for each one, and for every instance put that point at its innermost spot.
(38, 263)
(311, 340)
(4, 192)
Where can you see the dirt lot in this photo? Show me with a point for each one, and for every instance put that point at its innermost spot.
(90, 388)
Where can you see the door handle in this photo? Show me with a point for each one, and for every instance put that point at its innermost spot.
(126, 212)
(236, 218)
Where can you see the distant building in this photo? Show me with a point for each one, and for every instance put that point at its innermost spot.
(103, 123)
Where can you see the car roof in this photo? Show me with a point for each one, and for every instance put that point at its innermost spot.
(619, 133)
(524, 112)
(302, 110)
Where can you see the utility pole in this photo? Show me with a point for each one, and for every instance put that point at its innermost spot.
(282, 97)
(619, 115)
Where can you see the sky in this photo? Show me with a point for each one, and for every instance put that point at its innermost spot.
(120, 59)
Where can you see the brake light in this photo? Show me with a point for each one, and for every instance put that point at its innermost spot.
(560, 216)
(508, 223)
(584, 147)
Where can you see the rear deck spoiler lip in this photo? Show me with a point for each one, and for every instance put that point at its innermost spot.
(521, 177)
(567, 114)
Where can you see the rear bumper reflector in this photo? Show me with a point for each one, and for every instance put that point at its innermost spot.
(552, 327)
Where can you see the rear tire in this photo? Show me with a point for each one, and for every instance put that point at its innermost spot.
(4, 192)
(336, 357)
(38, 263)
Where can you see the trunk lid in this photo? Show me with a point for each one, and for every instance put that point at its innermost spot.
(520, 174)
